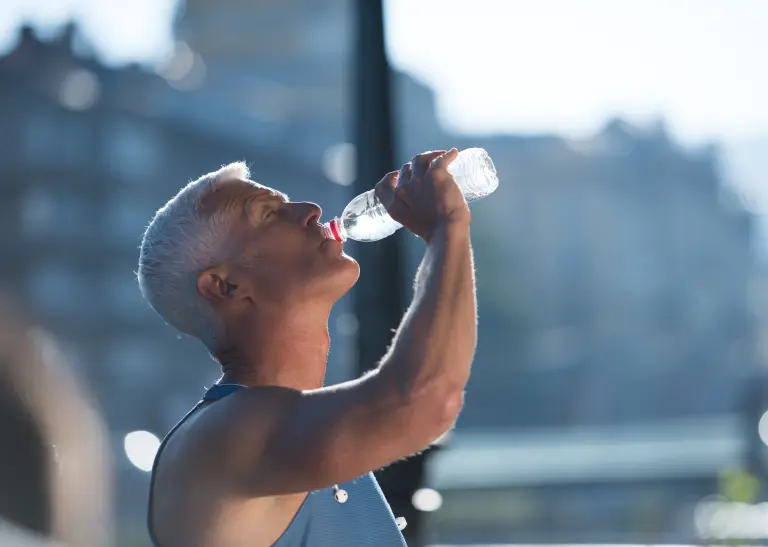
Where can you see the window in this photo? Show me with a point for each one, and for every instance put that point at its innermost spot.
(132, 362)
(78, 146)
(327, 36)
(42, 137)
(125, 218)
(121, 294)
(58, 289)
(60, 213)
(36, 212)
(132, 149)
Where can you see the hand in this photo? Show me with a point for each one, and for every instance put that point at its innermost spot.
(423, 195)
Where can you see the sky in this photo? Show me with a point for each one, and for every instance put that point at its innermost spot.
(567, 64)
(138, 30)
(523, 66)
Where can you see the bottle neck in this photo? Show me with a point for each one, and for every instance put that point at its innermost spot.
(335, 230)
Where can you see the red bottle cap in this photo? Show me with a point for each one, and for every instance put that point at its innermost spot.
(332, 230)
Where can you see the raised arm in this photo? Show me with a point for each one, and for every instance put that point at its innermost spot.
(285, 441)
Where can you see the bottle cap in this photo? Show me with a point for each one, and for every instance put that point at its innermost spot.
(332, 230)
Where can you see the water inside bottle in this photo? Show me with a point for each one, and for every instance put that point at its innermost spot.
(366, 219)
(474, 173)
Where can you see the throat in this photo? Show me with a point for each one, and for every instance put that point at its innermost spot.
(288, 354)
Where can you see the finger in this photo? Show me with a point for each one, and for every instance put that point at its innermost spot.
(405, 174)
(385, 188)
(443, 161)
(422, 162)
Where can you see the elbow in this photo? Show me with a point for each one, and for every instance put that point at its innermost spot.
(443, 408)
(426, 412)
(451, 407)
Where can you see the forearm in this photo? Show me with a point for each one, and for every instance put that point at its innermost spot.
(435, 344)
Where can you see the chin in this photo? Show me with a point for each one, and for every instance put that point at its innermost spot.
(344, 276)
(351, 270)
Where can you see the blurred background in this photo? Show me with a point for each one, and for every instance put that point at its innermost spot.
(619, 390)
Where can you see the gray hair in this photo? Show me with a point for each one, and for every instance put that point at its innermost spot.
(178, 244)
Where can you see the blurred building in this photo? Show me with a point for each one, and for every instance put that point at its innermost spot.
(285, 70)
(612, 271)
(626, 269)
(283, 67)
(87, 154)
(617, 337)
(616, 334)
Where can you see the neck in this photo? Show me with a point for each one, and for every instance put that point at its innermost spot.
(277, 348)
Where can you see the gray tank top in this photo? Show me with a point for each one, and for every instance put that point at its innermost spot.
(364, 520)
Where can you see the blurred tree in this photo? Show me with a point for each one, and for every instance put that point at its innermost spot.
(739, 485)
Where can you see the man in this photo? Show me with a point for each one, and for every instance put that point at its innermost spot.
(270, 456)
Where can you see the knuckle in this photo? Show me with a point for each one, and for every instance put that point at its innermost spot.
(425, 155)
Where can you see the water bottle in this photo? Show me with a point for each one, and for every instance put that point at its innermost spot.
(366, 218)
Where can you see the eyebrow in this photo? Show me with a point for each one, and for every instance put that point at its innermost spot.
(281, 195)
(230, 194)
(268, 196)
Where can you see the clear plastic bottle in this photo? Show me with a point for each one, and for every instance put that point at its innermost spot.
(366, 218)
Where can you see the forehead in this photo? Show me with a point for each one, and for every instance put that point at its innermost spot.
(236, 192)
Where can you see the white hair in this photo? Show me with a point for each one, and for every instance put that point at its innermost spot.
(179, 243)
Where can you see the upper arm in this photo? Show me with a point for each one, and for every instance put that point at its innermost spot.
(279, 441)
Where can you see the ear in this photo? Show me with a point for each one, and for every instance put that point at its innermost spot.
(215, 284)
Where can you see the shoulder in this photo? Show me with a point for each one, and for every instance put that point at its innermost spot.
(222, 431)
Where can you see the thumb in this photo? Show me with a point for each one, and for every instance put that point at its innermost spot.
(385, 188)
(446, 159)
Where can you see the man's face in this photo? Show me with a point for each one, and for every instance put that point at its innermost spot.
(278, 251)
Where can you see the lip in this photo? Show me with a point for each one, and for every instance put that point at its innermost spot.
(323, 234)
(331, 242)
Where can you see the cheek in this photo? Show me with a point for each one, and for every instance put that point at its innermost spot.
(288, 263)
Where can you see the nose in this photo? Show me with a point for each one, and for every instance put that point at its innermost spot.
(309, 213)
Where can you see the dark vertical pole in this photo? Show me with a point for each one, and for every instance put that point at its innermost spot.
(380, 294)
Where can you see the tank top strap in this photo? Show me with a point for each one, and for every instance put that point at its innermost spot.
(219, 391)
